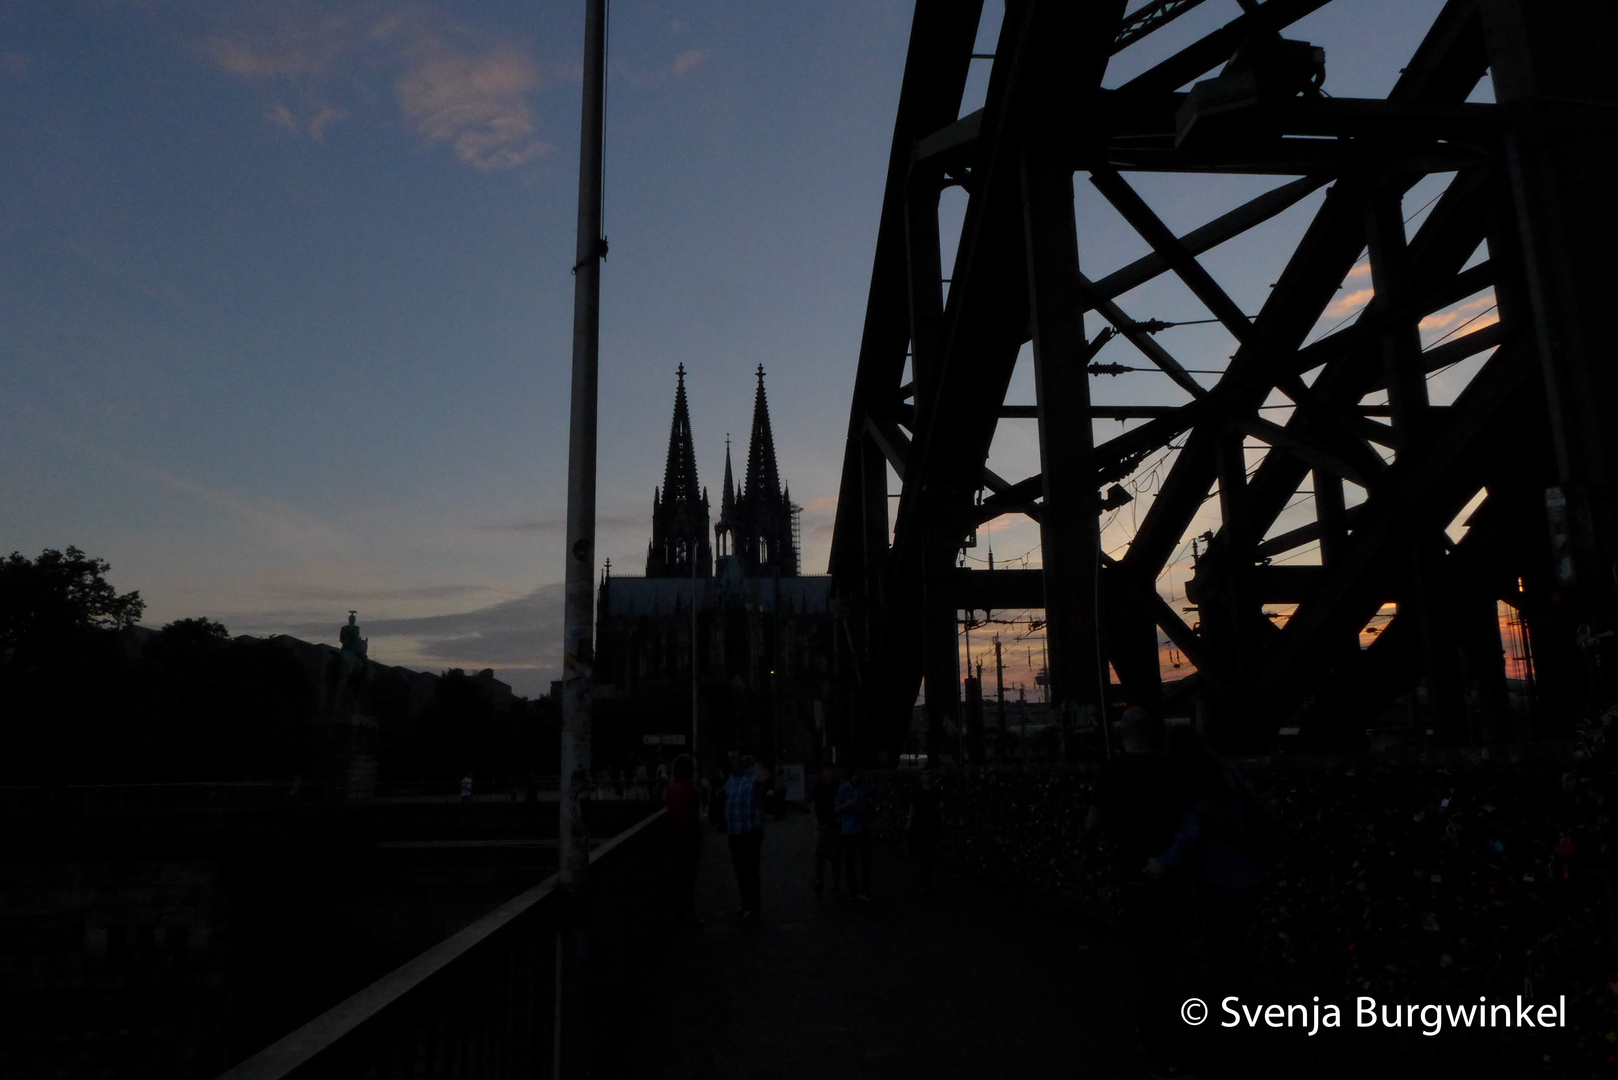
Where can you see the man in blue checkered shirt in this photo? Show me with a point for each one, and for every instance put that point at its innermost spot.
(744, 821)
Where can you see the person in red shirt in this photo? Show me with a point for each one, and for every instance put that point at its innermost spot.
(681, 799)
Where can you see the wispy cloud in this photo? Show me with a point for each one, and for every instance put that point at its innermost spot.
(266, 516)
(520, 638)
(520, 634)
(312, 123)
(1347, 305)
(1443, 320)
(688, 61)
(477, 103)
(557, 524)
(323, 62)
(339, 594)
(1360, 293)
(16, 64)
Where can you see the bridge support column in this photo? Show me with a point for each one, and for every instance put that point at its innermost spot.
(1549, 63)
(1069, 526)
(943, 658)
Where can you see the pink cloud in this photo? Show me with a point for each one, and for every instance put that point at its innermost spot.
(1347, 305)
(1445, 319)
(452, 84)
(476, 103)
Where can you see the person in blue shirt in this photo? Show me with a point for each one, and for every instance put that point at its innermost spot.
(744, 824)
(853, 808)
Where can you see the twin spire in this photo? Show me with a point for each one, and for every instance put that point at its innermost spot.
(680, 473)
(755, 521)
(763, 478)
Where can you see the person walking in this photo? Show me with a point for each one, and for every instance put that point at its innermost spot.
(926, 815)
(680, 796)
(823, 801)
(744, 822)
(714, 793)
(853, 808)
(1144, 802)
(1237, 839)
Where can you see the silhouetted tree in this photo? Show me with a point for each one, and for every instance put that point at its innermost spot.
(201, 629)
(55, 601)
(199, 706)
(459, 728)
(61, 665)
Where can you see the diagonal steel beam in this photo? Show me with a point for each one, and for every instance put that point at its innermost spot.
(1145, 221)
(1226, 226)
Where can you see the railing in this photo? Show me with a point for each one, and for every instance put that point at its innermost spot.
(483, 791)
(481, 1004)
(114, 800)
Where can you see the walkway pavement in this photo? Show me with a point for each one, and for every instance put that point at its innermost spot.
(965, 981)
(957, 982)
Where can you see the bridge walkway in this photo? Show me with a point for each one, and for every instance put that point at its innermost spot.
(959, 981)
(967, 980)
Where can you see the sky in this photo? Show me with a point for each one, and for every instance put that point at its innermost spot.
(286, 310)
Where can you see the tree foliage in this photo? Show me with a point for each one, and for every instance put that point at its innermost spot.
(81, 702)
(190, 631)
(52, 601)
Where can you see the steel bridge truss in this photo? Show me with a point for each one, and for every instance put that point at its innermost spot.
(1527, 213)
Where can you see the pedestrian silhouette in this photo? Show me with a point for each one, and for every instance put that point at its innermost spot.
(823, 800)
(923, 825)
(853, 808)
(744, 822)
(681, 799)
(1143, 802)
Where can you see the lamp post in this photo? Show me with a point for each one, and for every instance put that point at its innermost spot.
(570, 1055)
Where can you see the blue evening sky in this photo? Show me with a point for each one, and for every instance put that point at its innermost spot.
(286, 311)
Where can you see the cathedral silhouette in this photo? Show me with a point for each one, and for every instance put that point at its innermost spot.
(765, 660)
(755, 523)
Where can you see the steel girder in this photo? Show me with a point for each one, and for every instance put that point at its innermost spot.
(1530, 177)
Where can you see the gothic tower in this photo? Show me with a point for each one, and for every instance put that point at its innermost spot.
(680, 509)
(727, 508)
(755, 525)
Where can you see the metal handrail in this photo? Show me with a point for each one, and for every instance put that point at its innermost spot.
(479, 1003)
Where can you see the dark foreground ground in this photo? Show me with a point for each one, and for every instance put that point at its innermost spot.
(967, 980)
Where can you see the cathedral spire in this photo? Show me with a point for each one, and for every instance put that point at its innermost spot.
(727, 505)
(680, 544)
(755, 522)
(680, 472)
(763, 480)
